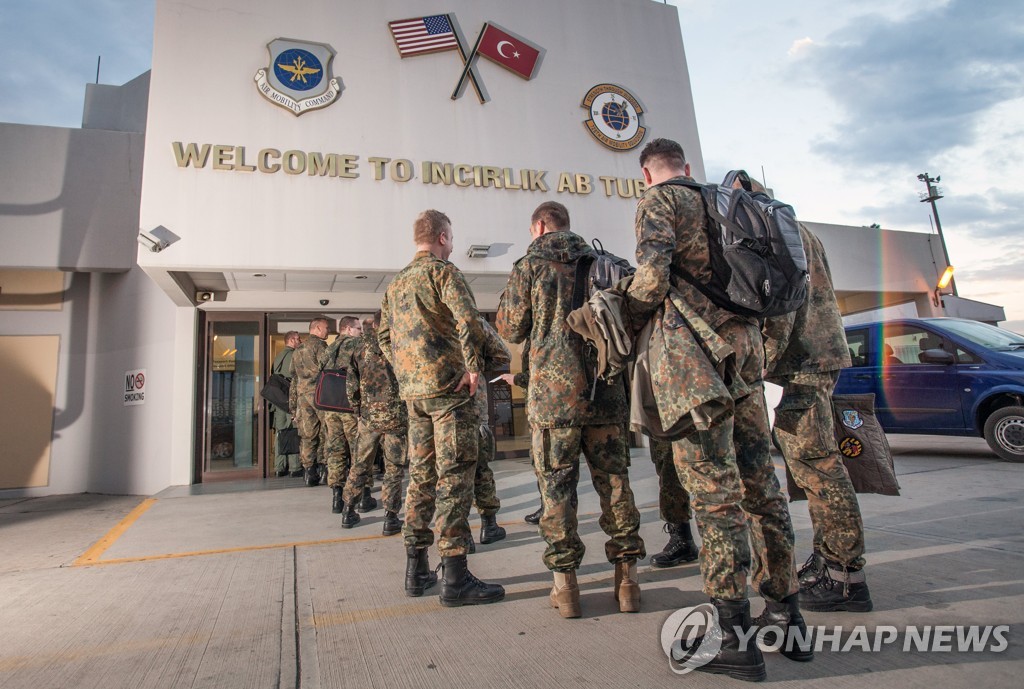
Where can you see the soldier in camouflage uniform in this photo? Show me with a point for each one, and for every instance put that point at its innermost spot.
(383, 420)
(343, 431)
(805, 350)
(307, 362)
(565, 418)
(727, 469)
(282, 419)
(674, 506)
(430, 332)
(485, 491)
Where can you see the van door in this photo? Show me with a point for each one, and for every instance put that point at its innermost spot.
(915, 396)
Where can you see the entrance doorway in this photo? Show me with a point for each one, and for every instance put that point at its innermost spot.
(231, 413)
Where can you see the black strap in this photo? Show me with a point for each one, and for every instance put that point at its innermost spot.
(580, 288)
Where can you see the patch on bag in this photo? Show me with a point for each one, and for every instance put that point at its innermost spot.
(852, 419)
(851, 447)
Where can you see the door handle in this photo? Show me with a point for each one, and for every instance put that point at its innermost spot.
(862, 376)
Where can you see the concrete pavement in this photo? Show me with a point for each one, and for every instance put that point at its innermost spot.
(256, 585)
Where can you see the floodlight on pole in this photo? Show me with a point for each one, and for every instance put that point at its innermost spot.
(933, 195)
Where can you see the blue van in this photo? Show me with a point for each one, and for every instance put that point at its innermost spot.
(942, 376)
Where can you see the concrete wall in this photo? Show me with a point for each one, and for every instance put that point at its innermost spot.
(398, 109)
(69, 198)
(111, 323)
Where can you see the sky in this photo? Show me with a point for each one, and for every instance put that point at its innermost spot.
(841, 104)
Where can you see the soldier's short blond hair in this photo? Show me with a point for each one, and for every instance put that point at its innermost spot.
(319, 319)
(347, 322)
(554, 215)
(429, 226)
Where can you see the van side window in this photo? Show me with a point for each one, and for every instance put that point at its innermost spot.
(965, 357)
(857, 341)
(903, 344)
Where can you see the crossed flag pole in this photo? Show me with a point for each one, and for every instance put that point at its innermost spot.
(440, 33)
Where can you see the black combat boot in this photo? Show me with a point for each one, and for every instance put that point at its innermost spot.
(337, 503)
(746, 664)
(471, 546)
(349, 518)
(680, 548)
(297, 473)
(311, 476)
(459, 586)
(392, 524)
(836, 589)
(811, 571)
(534, 517)
(489, 529)
(785, 616)
(368, 502)
(418, 576)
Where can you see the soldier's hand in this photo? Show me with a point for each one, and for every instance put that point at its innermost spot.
(509, 378)
(468, 380)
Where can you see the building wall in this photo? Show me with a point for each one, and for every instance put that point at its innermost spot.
(108, 324)
(396, 109)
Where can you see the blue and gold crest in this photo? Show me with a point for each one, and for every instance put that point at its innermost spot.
(299, 76)
(852, 419)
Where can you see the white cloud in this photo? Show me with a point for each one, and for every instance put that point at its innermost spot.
(800, 46)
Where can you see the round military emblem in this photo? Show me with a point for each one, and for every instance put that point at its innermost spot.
(851, 447)
(298, 69)
(614, 117)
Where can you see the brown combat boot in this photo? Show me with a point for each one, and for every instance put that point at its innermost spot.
(565, 594)
(627, 586)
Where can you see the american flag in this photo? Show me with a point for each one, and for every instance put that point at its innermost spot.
(423, 35)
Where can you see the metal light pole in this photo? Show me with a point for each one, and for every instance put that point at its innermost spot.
(933, 195)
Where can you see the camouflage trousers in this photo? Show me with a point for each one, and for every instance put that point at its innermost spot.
(805, 432)
(673, 500)
(369, 442)
(309, 421)
(730, 477)
(556, 455)
(485, 492)
(443, 438)
(342, 431)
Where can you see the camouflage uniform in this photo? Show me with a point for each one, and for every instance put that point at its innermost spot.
(564, 419)
(430, 332)
(342, 428)
(727, 469)
(805, 350)
(383, 419)
(673, 500)
(307, 362)
(485, 492)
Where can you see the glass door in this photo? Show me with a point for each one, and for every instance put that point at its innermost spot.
(232, 413)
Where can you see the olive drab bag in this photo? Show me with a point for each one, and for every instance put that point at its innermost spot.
(758, 264)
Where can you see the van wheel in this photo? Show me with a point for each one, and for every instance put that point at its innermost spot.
(1004, 431)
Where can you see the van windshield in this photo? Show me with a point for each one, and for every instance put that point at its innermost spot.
(982, 334)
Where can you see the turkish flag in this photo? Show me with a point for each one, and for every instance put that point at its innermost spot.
(508, 51)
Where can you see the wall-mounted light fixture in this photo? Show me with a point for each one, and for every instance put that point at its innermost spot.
(479, 250)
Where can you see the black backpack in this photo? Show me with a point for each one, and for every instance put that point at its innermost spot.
(598, 271)
(758, 264)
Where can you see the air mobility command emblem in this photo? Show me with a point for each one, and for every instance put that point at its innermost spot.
(614, 117)
(298, 77)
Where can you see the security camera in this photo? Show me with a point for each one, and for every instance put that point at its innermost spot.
(325, 302)
(152, 243)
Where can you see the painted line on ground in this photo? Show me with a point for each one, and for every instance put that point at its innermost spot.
(92, 555)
